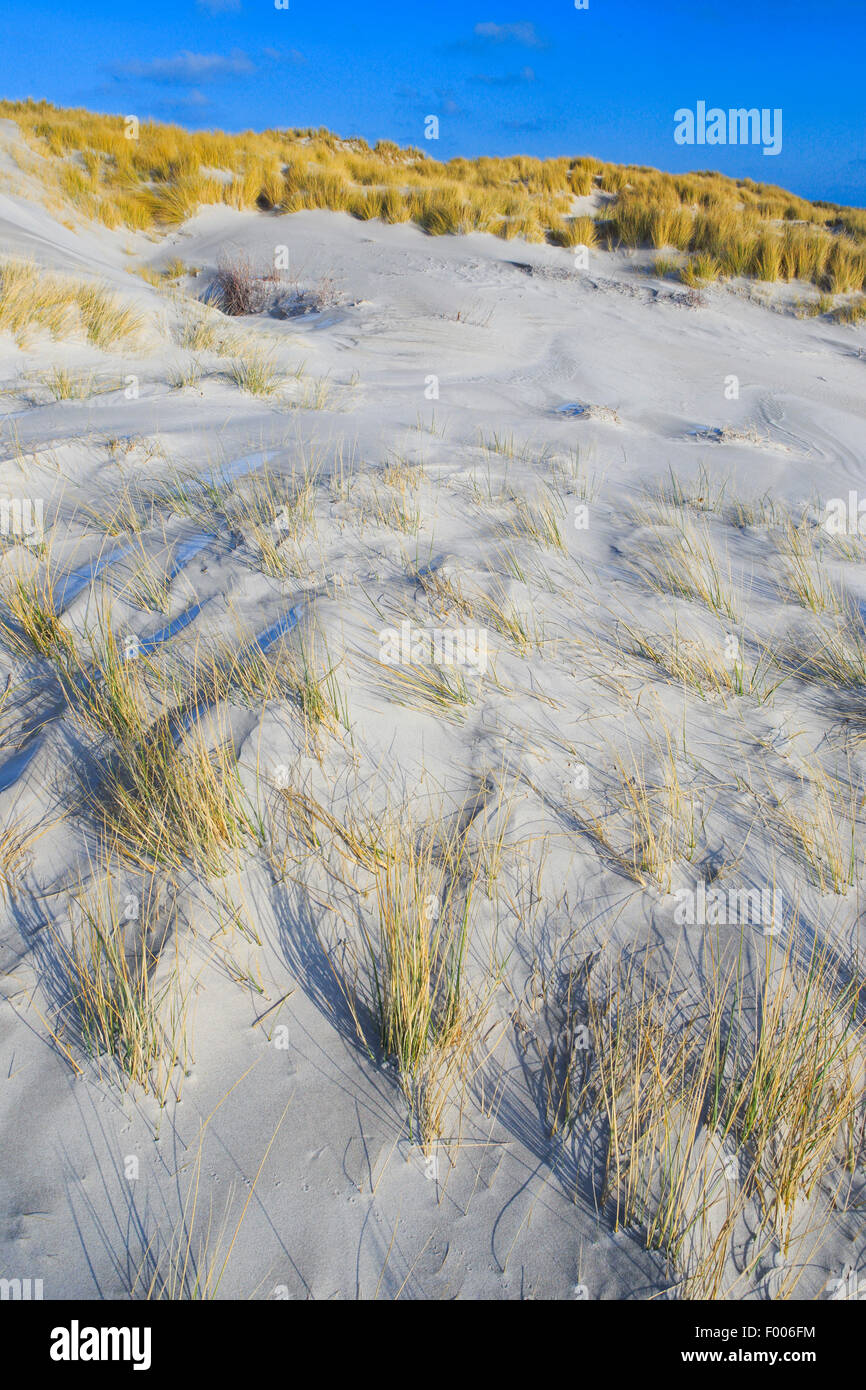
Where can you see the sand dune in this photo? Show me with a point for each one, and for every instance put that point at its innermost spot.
(648, 698)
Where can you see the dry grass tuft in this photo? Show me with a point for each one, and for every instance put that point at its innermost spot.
(31, 300)
(428, 1019)
(125, 1001)
(726, 1106)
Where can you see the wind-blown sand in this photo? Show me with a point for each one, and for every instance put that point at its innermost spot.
(96, 1176)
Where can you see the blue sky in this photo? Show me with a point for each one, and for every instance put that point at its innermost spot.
(539, 78)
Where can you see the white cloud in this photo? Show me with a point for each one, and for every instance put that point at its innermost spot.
(191, 67)
(506, 79)
(523, 33)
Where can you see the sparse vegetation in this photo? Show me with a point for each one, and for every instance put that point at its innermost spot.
(31, 300)
(691, 568)
(256, 373)
(429, 1019)
(242, 288)
(740, 1103)
(125, 1001)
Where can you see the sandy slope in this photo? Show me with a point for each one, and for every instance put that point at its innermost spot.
(344, 1206)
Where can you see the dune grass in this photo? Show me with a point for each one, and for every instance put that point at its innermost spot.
(31, 300)
(838, 656)
(709, 669)
(774, 1077)
(276, 515)
(411, 977)
(175, 799)
(730, 227)
(170, 789)
(441, 690)
(448, 595)
(125, 1001)
(16, 841)
(806, 579)
(257, 374)
(652, 821)
(539, 519)
(29, 622)
(689, 567)
(822, 827)
(740, 1103)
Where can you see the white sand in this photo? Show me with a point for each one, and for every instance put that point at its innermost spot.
(344, 1207)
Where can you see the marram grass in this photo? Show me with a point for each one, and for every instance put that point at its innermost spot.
(162, 176)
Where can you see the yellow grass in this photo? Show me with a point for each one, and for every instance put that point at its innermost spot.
(159, 178)
(770, 1075)
(31, 300)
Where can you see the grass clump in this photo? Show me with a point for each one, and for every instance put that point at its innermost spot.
(539, 520)
(700, 269)
(66, 386)
(575, 231)
(726, 1108)
(690, 568)
(651, 823)
(31, 300)
(805, 578)
(821, 827)
(709, 670)
(256, 374)
(110, 962)
(176, 798)
(30, 622)
(428, 1020)
(169, 790)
